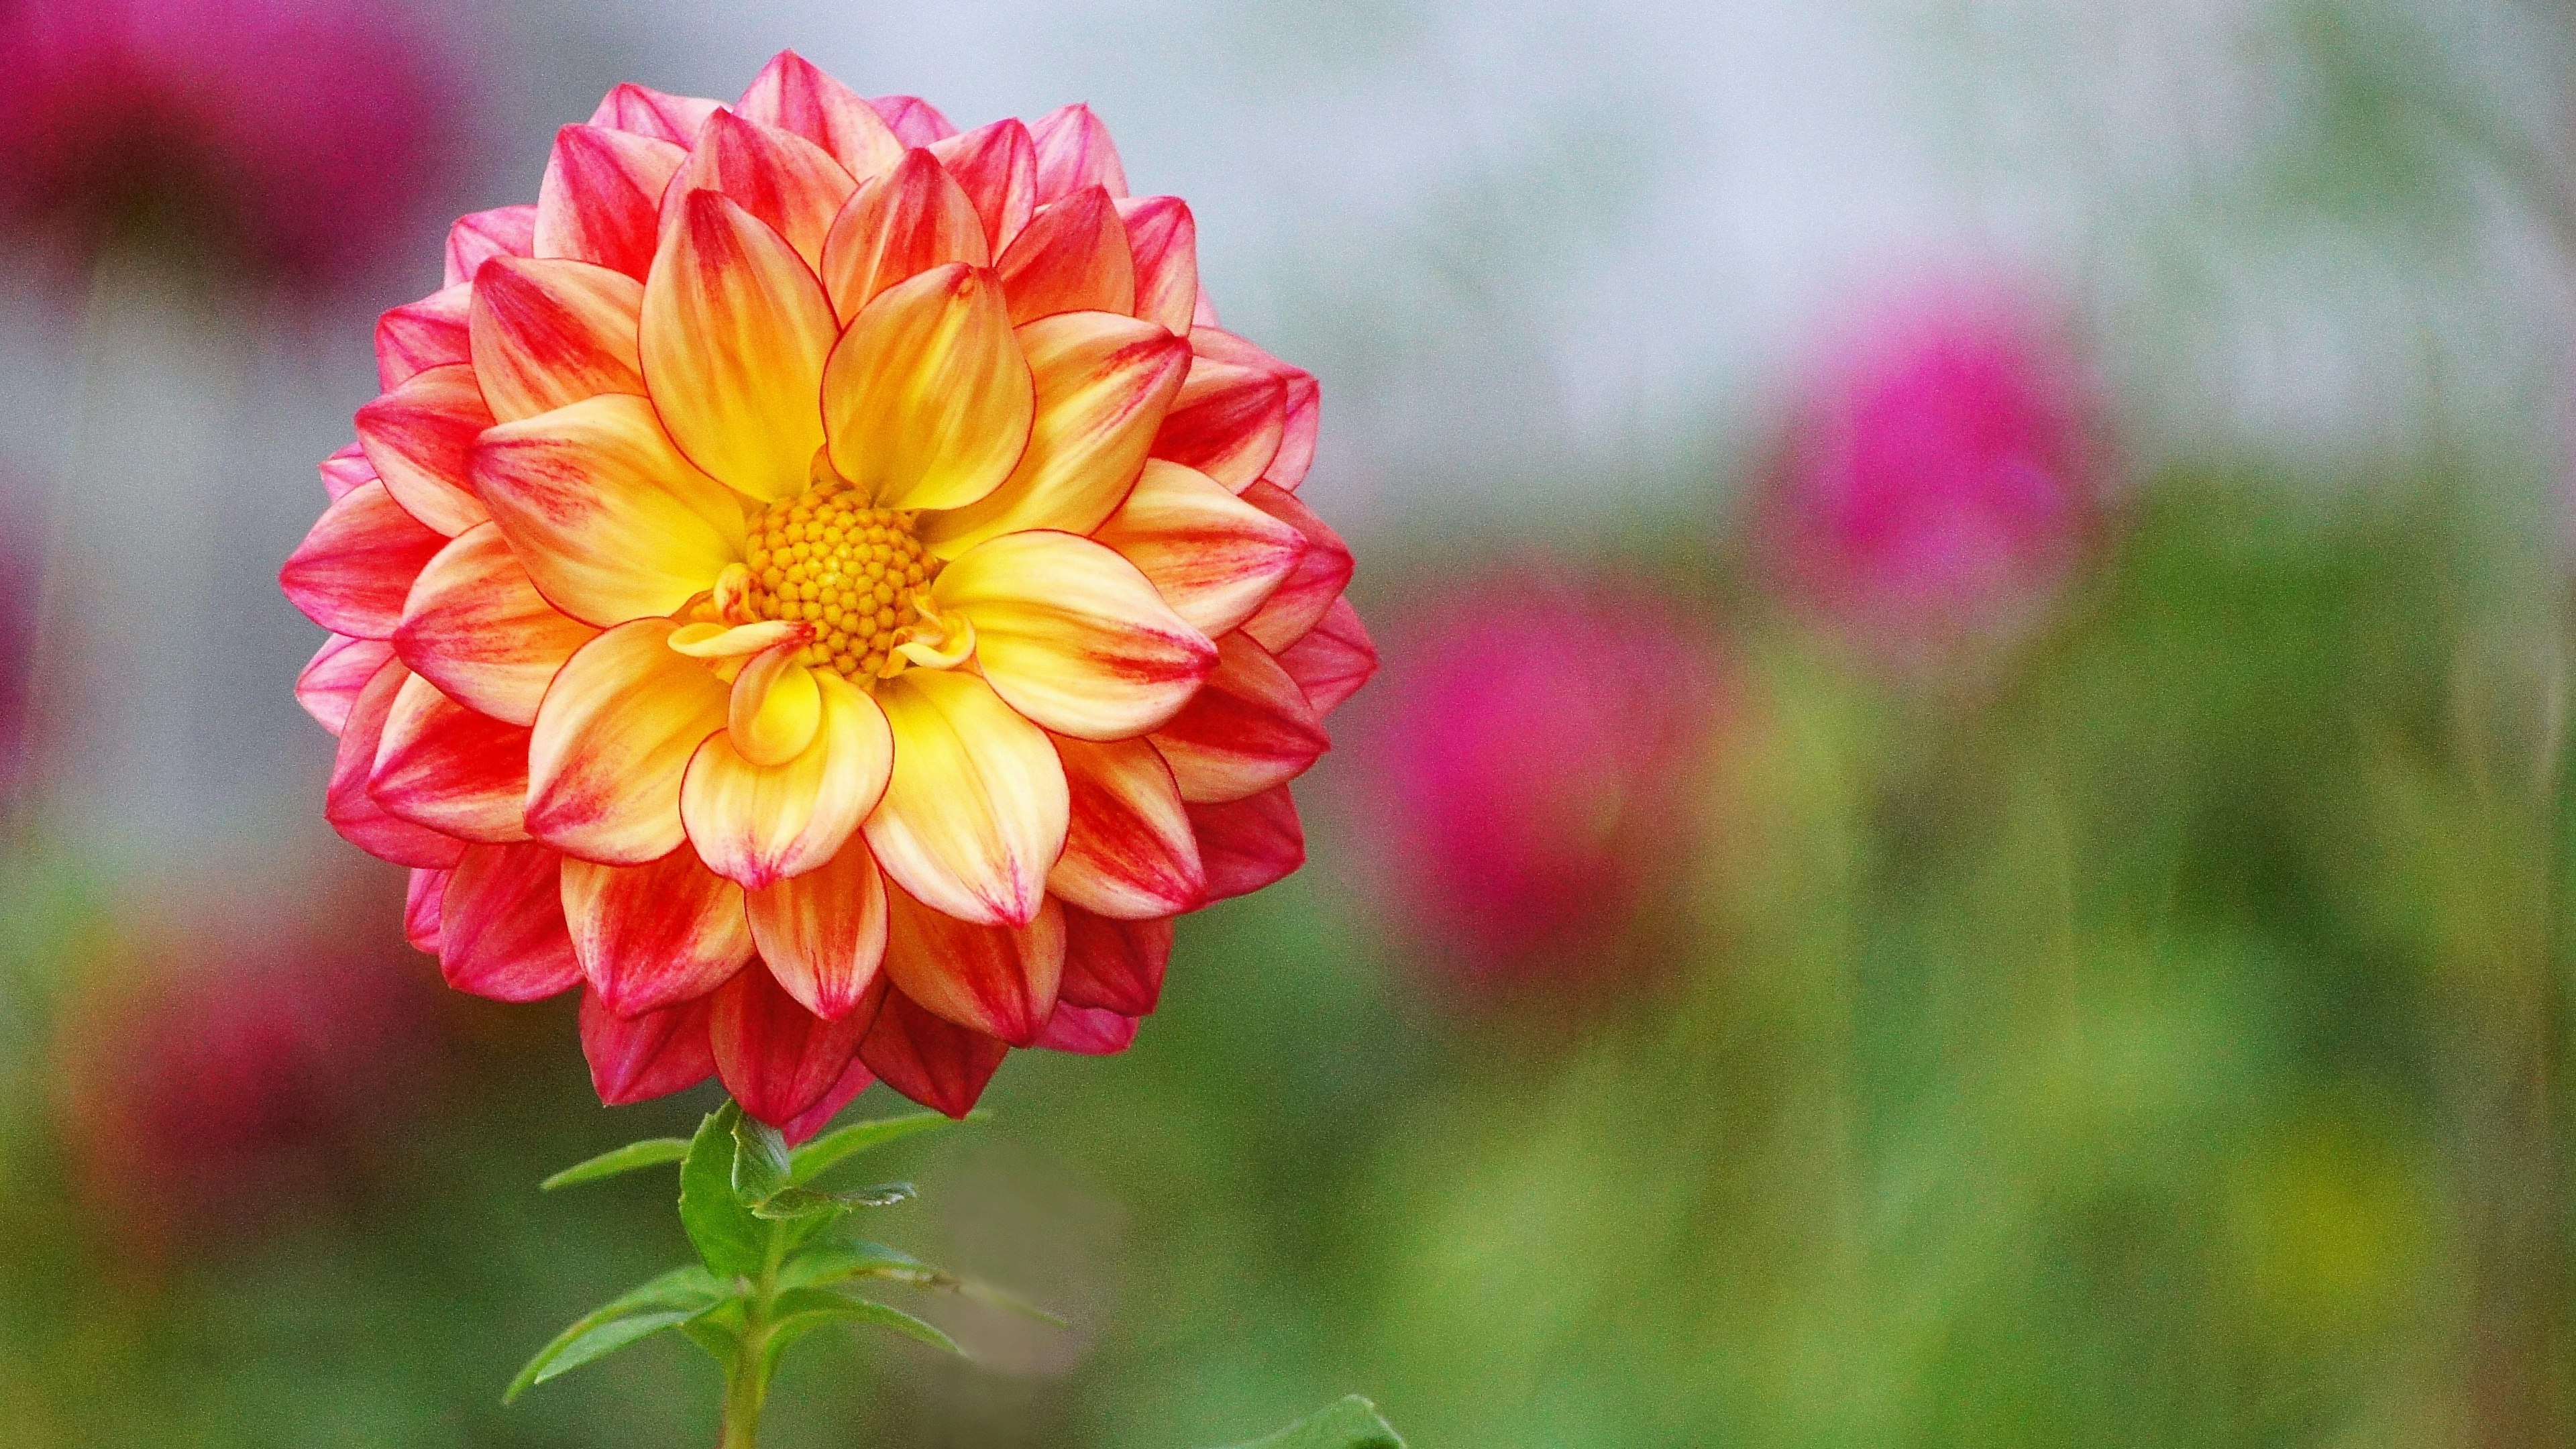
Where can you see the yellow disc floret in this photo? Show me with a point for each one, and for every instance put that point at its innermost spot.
(848, 570)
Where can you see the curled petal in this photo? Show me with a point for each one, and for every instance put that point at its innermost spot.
(897, 226)
(776, 707)
(1072, 257)
(735, 332)
(975, 811)
(610, 521)
(1073, 636)
(738, 641)
(941, 1065)
(478, 237)
(1251, 728)
(347, 805)
(476, 627)
(794, 94)
(927, 399)
(1297, 443)
(1114, 965)
(655, 935)
(1103, 384)
(1307, 594)
(420, 437)
(1214, 558)
(774, 1056)
(1088, 1030)
(782, 178)
(998, 166)
(1227, 423)
(346, 471)
(823, 933)
(758, 824)
(1164, 239)
(442, 765)
(1333, 659)
(417, 336)
(501, 925)
(421, 903)
(1128, 852)
(552, 331)
(1249, 844)
(645, 111)
(915, 122)
(999, 980)
(613, 739)
(329, 685)
(855, 1078)
(1073, 151)
(601, 199)
(634, 1059)
(352, 571)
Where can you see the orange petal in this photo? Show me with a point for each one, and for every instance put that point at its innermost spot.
(610, 520)
(347, 805)
(897, 226)
(1333, 659)
(501, 925)
(915, 122)
(444, 766)
(419, 438)
(478, 629)
(1103, 385)
(1302, 599)
(1250, 729)
(652, 1055)
(1073, 636)
(794, 94)
(998, 166)
(927, 397)
(654, 935)
(612, 742)
(553, 331)
(778, 176)
(645, 111)
(936, 1063)
(1072, 257)
(735, 332)
(1227, 423)
(1114, 965)
(777, 1058)
(478, 237)
(759, 824)
(1249, 844)
(352, 571)
(974, 813)
(601, 199)
(329, 685)
(413, 338)
(823, 933)
(1128, 853)
(1212, 556)
(999, 980)
(1074, 152)
(1164, 239)
(1297, 443)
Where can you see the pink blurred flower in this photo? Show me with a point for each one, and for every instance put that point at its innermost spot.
(288, 136)
(1940, 482)
(1539, 759)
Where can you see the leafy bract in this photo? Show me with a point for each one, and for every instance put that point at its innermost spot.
(732, 1242)
(667, 1301)
(827, 1151)
(651, 1152)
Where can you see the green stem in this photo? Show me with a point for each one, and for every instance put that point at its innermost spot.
(747, 1377)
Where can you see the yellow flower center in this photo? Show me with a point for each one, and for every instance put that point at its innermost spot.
(850, 571)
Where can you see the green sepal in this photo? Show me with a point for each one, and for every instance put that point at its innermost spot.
(760, 1164)
(801, 1310)
(651, 1152)
(666, 1302)
(826, 1152)
(806, 1202)
(1354, 1423)
(728, 1238)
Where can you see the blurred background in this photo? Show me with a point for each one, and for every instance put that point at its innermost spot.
(1963, 839)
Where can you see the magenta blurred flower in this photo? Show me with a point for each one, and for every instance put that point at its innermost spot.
(1539, 759)
(291, 137)
(1941, 476)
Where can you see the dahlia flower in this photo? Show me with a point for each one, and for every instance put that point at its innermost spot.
(1533, 766)
(824, 584)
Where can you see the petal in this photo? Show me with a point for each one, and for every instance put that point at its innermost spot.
(1072, 257)
(927, 397)
(975, 811)
(478, 237)
(778, 176)
(897, 226)
(1114, 965)
(999, 980)
(759, 824)
(1250, 729)
(1227, 422)
(610, 521)
(613, 739)
(417, 336)
(347, 470)
(550, 331)
(1301, 601)
(419, 438)
(776, 706)
(601, 199)
(1333, 659)
(915, 122)
(1074, 152)
(801, 1128)
(792, 93)
(942, 1066)
(1128, 851)
(823, 933)
(476, 627)
(1249, 844)
(1297, 443)
(352, 571)
(422, 900)
(1212, 556)
(444, 766)
(1073, 636)
(1103, 384)
(735, 332)
(645, 111)
(501, 928)
(653, 1055)
(1089, 1031)
(329, 685)
(1164, 239)
(655, 935)
(774, 1056)
(347, 805)
(998, 166)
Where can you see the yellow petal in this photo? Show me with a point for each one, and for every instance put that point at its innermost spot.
(776, 706)
(612, 741)
(975, 812)
(927, 396)
(824, 933)
(1073, 636)
(896, 227)
(758, 823)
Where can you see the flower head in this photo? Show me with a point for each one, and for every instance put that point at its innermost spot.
(825, 583)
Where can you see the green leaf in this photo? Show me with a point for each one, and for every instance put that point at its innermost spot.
(721, 1227)
(760, 1162)
(829, 1263)
(1354, 1423)
(809, 1308)
(651, 1152)
(806, 1202)
(826, 1152)
(673, 1298)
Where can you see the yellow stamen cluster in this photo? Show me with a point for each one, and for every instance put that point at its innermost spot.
(849, 570)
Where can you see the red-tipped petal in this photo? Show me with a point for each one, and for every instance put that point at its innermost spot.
(478, 629)
(346, 471)
(784, 179)
(417, 336)
(1129, 852)
(897, 226)
(794, 94)
(552, 331)
(612, 742)
(478, 237)
(1088, 1030)
(1334, 658)
(1164, 239)
(1214, 558)
(501, 928)
(1249, 844)
(941, 1065)
(353, 571)
(1301, 601)
(824, 933)
(1227, 422)
(645, 111)
(855, 1078)
(601, 199)
(777, 1058)
(1114, 965)
(651, 936)
(420, 439)
(1297, 444)
(633, 1059)
(998, 166)
(1074, 151)
(347, 805)
(1000, 980)
(1072, 257)
(331, 680)
(915, 122)
(444, 766)
(1250, 728)
(422, 900)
